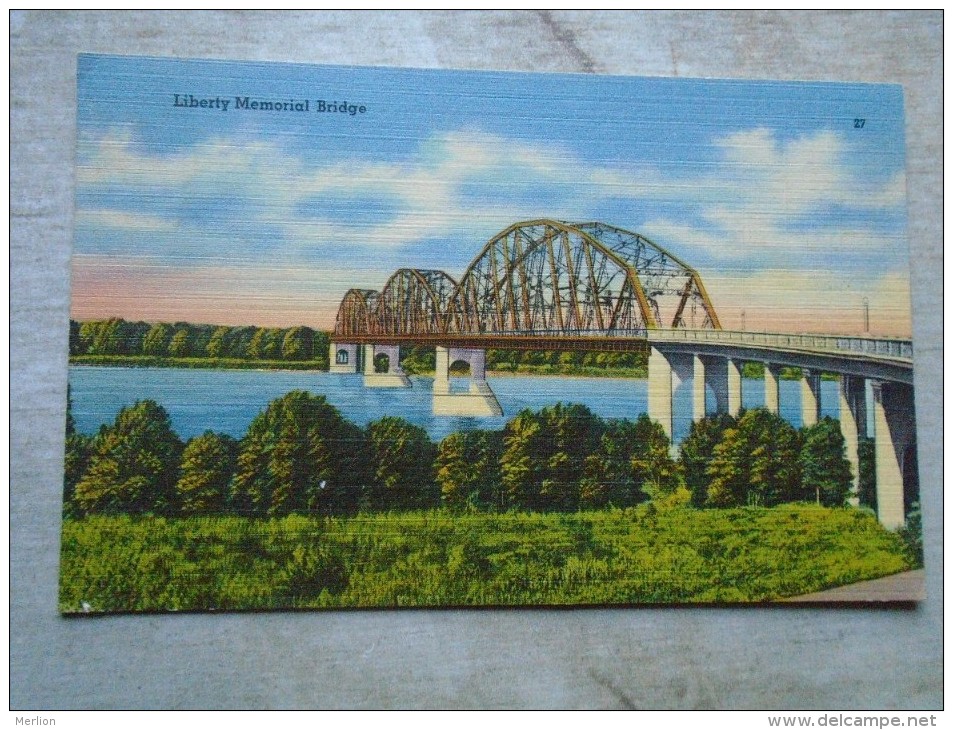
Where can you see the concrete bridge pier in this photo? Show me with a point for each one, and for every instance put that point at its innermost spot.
(772, 397)
(852, 397)
(394, 377)
(810, 397)
(479, 400)
(343, 358)
(894, 449)
(667, 371)
(723, 376)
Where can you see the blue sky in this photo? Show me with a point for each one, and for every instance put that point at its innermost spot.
(790, 212)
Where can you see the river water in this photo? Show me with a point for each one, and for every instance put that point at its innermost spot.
(227, 400)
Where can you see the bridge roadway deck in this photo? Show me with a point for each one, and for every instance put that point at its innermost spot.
(879, 358)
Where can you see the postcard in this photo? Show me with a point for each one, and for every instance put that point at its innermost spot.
(356, 337)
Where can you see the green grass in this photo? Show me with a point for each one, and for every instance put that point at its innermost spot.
(640, 555)
(217, 363)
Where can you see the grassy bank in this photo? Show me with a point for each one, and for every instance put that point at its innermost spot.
(639, 555)
(579, 371)
(214, 363)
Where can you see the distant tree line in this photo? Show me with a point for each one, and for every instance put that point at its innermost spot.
(300, 455)
(420, 359)
(183, 339)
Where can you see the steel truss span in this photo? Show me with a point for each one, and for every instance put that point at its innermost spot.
(541, 278)
(414, 302)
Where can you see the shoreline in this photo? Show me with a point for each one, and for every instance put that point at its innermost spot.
(148, 361)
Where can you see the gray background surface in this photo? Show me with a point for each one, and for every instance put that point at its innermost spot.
(782, 658)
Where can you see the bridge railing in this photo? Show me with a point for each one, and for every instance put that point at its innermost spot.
(885, 347)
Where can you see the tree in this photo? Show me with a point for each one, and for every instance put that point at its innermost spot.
(825, 473)
(866, 466)
(180, 345)
(757, 462)
(76, 462)
(519, 466)
(297, 343)
(698, 450)
(113, 336)
(271, 346)
(299, 455)
(544, 454)
(654, 471)
(320, 347)
(217, 345)
(607, 476)
(402, 459)
(156, 341)
(76, 458)
(208, 464)
(134, 463)
(631, 463)
(76, 345)
(238, 341)
(256, 346)
(468, 470)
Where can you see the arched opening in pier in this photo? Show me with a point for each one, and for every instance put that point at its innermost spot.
(460, 369)
(341, 357)
(381, 363)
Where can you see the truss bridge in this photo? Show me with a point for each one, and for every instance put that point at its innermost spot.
(557, 286)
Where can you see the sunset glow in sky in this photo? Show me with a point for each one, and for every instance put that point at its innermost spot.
(791, 212)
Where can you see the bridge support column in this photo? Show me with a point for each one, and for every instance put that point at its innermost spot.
(342, 358)
(716, 378)
(479, 400)
(894, 449)
(810, 397)
(667, 372)
(772, 398)
(853, 423)
(734, 387)
(698, 388)
(723, 376)
(660, 390)
(394, 377)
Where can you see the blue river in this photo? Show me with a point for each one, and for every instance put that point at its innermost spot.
(228, 400)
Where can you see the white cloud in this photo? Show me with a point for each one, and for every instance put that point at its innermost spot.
(746, 203)
(124, 221)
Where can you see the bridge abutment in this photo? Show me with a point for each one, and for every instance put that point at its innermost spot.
(342, 358)
(394, 377)
(479, 400)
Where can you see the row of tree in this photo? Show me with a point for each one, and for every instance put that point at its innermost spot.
(759, 459)
(183, 339)
(422, 359)
(116, 336)
(300, 455)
